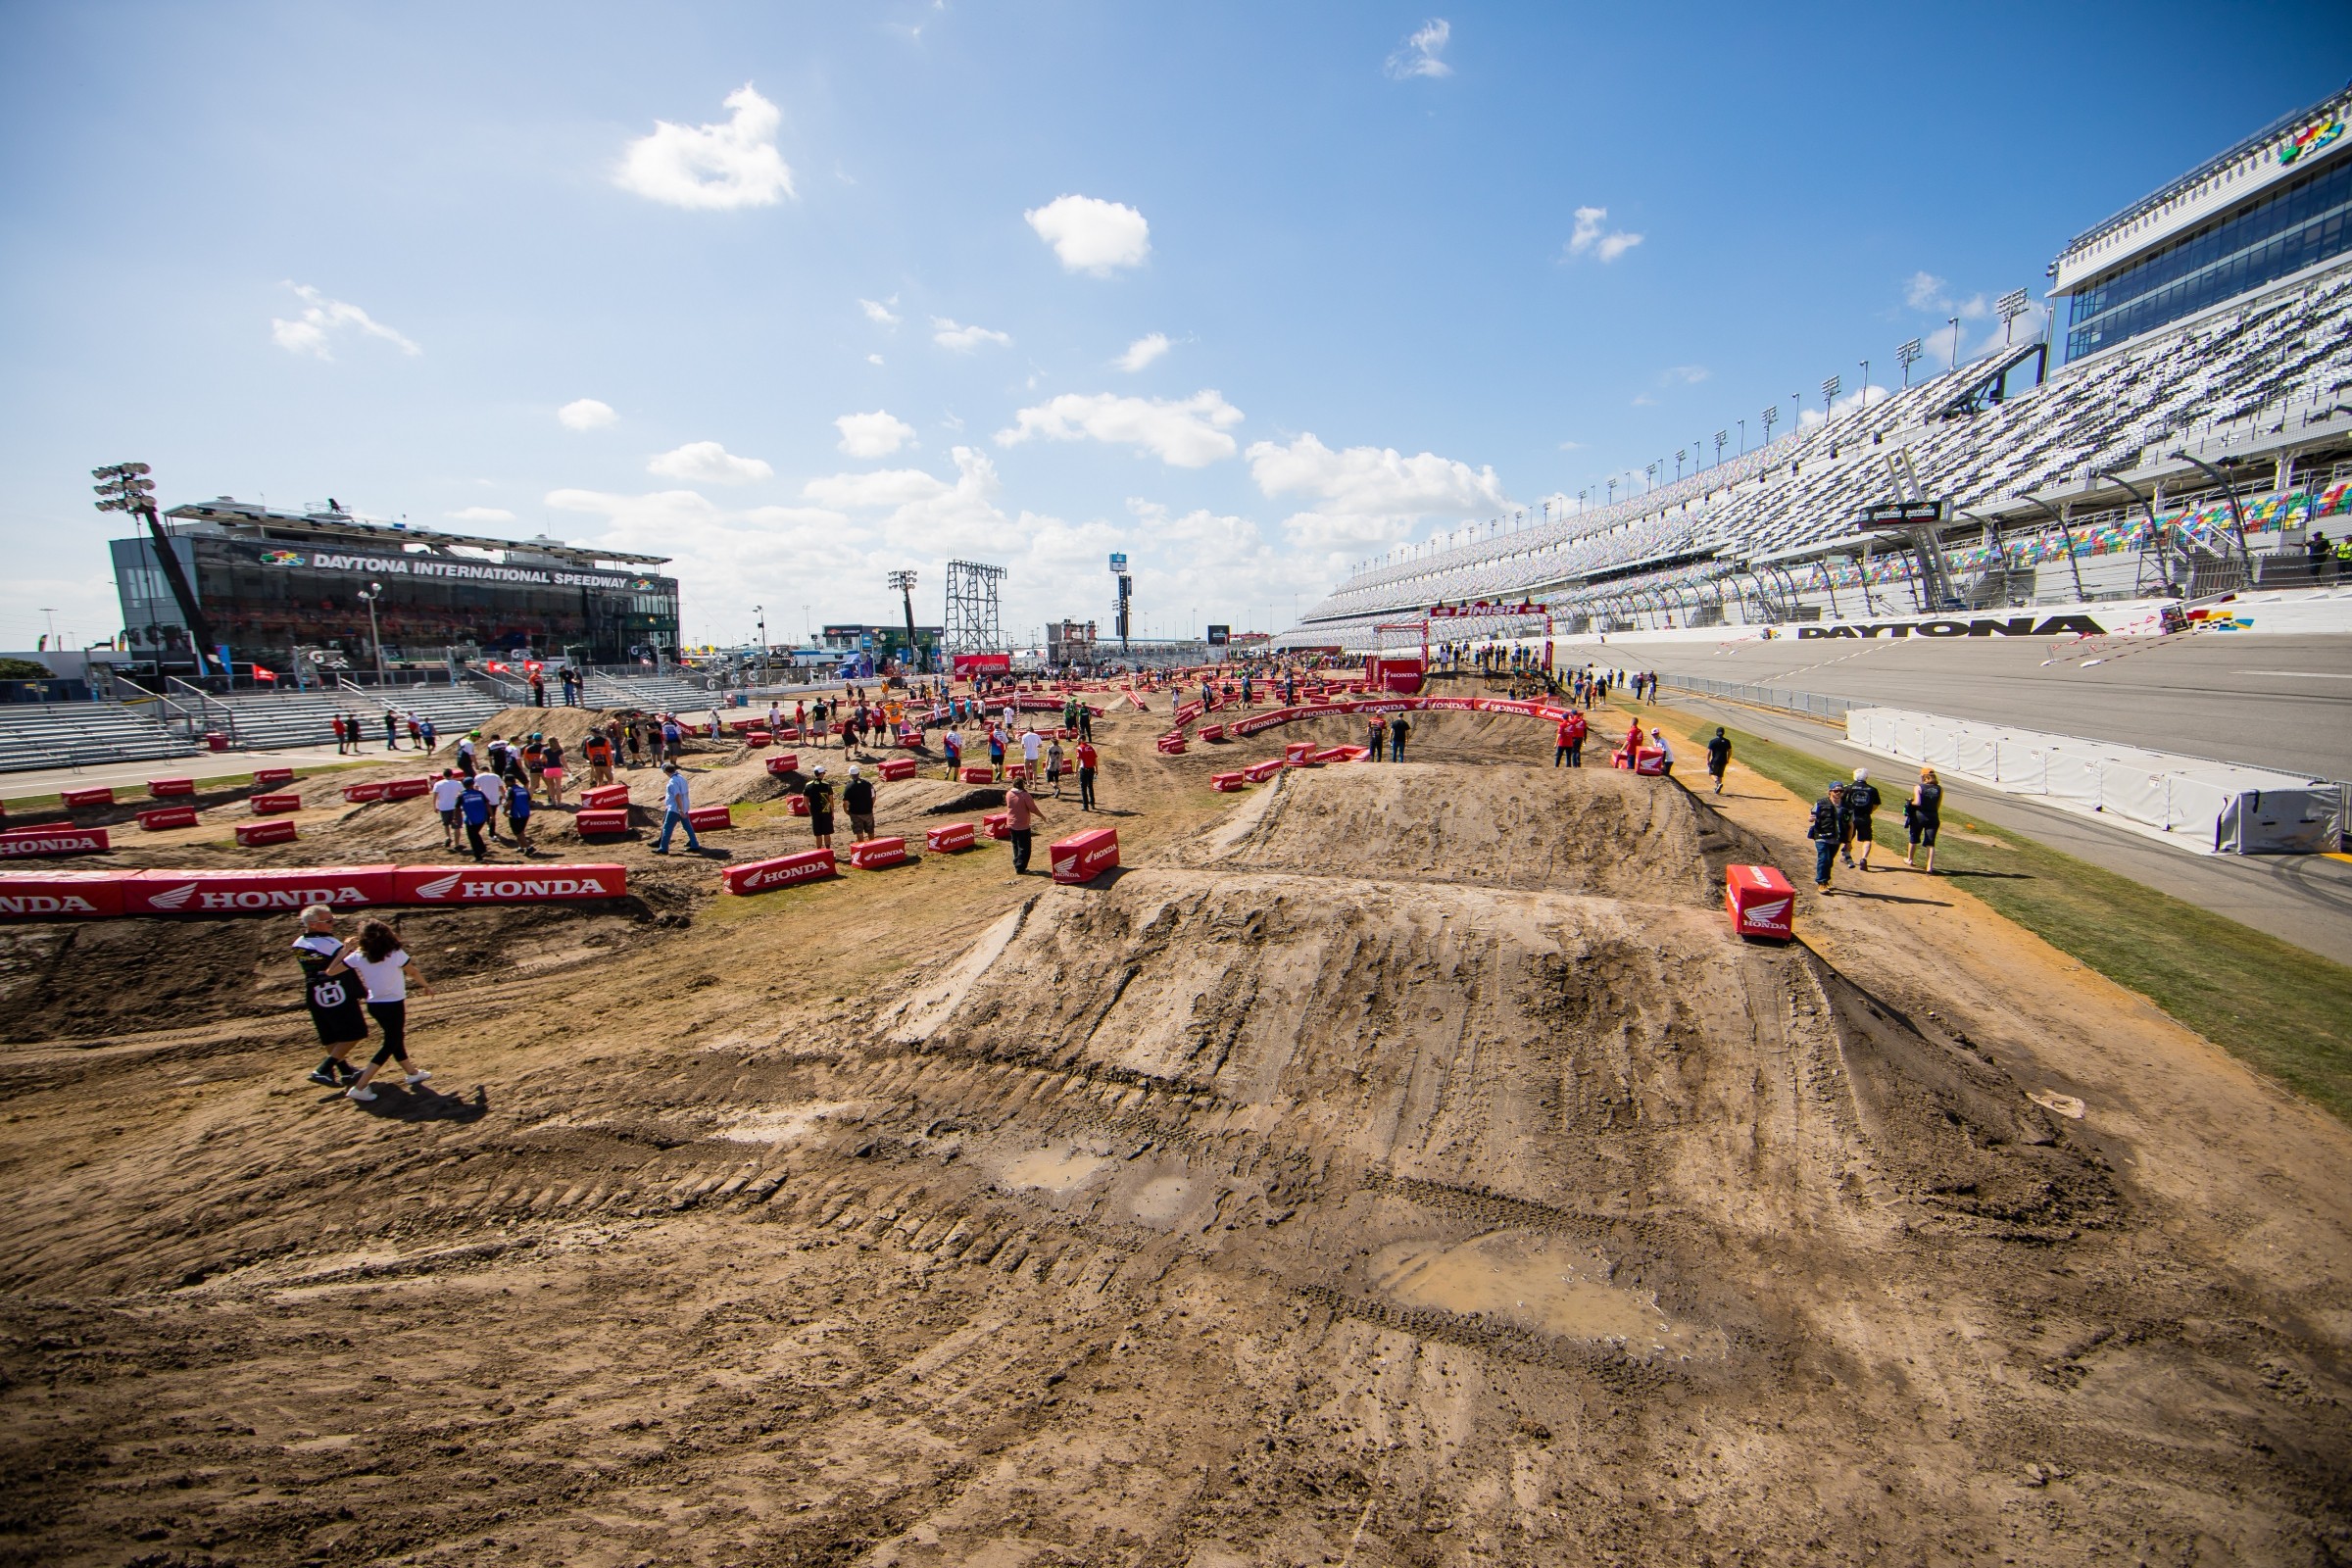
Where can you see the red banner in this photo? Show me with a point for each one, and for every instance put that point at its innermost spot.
(704, 819)
(246, 892)
(605, 797)
(604, 820)
(61, 895)
(95, 794)
(872, 854)
(162, 788)
(270, 778)
(783, 871)
(949, 836)
(1083, 856)
(493, 884)
(357, 793)
(898, 767)
(161, 817)
(252, 835)
(30, 842)
(274, 804)
(783, 762)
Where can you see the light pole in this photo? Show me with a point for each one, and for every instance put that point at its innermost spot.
(1907, 354)
(1744, 438)
(1865, 386)
(761, 612)
(2009, 307)
(1829, 397)
(903, 582)
(1955, 342)
(1770, 417)
(375, 639)
(127, 487)
(51, 612)
(1721, 437)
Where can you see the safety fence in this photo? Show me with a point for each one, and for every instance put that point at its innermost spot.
(1814, 705)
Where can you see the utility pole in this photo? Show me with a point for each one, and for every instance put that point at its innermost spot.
(904, 582)
(127, 487)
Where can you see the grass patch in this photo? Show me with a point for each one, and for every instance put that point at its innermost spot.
(204, 786)
(2281, 1010)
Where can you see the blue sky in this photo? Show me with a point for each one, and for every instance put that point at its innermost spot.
(1327, 277)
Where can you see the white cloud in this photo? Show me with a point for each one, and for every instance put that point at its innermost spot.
(1924, 292)
(879, 311)
(884, 487)
(712, 168)
(1142, 351)
(1591, 238)
(1091, 235)
(728, 561)
(1187, 433)
(1684, 375)
(313, 331)
(873, 435)
(1419, 56)
(481, 514)
(873, 359)
(1368, 495)
(585, 413)
(963, 339)
(1853, 402)
(708, 463)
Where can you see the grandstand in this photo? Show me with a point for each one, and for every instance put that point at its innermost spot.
(2188, 456)
(79, 734)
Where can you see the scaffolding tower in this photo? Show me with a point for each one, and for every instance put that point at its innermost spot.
(974, 622)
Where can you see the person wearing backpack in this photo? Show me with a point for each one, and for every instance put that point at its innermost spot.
(597, 751)
(1827, 832)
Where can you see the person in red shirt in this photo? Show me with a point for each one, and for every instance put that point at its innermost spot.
(1085, 775)
(1568, 742)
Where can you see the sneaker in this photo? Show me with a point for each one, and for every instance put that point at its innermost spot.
(347, 1072)
(418, 1076)
(355, 1091)
(320, 1076)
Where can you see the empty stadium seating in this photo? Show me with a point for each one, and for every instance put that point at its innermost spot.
(2261, 365)
(269, 720)
(79, 734)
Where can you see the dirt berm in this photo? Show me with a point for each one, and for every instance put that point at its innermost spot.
(1397, 1166)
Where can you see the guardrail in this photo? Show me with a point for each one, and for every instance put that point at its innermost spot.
(1813, 704)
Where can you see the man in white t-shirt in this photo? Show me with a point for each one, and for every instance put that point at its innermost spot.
(1031, 741)
(446, 791)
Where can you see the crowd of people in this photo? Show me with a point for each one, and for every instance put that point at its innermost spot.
(1844, 822)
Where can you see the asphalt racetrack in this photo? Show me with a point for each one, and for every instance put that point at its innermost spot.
(2281, 701)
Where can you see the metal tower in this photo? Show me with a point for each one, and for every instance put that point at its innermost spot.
(974, 622)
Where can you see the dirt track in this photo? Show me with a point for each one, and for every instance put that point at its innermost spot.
(1393, 1165)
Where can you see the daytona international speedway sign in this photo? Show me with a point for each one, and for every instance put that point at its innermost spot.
(1983, 626)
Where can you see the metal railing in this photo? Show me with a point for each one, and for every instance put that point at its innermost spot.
(1813, 704)
(213, 711)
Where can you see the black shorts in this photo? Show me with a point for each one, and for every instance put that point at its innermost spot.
(820, 824)
(1925, 833)
(1862, 832)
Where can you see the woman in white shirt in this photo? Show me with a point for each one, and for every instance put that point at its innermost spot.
(376, 957)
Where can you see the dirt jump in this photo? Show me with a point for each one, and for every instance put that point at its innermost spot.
(1396, 1164)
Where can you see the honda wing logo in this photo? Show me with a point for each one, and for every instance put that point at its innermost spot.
(1776, 913)
(438, 887)
(174, 899)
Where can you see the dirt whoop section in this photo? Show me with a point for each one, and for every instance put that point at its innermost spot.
(1405, 1166)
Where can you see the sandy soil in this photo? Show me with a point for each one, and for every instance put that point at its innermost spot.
(1391, 1165)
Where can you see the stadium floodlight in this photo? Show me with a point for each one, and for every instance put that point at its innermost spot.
(2009, 307)
(1680, 454)
(1907, 354)
(375, 637)
(1722, 439)
(1771, 416)
(1828, 397)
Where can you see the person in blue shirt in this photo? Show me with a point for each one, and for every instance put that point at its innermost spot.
(676, 801)
(519, 811)
(474, 806)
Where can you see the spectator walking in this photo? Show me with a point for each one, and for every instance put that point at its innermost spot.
(1827, 831)
(677, 802)
(383, 965)
(596, 749)
(342, 738)
(391, 730)
(550, 769)
(820, 795)
(1086, 763)
(333, 1000)
(995, 751)
(1861, 799)
(1031, 744)
(951, 744)
(474, 808)
(431, 734)
(1657, 738)
(1719, 757)
(1568, 741)
(1054, 765)
(1021, 817)
(446, 791)
(1923, 817)
(538, 692)
(519, 811)
(1377, 729)
(467, 749)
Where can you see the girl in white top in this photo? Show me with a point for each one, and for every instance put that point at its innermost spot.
(376, 957)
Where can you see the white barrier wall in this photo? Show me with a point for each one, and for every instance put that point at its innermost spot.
(2188, 801)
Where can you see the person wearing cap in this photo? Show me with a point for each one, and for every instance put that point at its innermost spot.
(858, 798)
(820, 795)
(1719, 757)
(1657, 738)
(677, 799)
(1861, 799)
(1827, 832)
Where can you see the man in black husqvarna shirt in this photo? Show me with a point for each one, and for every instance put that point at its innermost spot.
(333, 999)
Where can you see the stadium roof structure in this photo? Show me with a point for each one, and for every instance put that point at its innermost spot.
(235, 516)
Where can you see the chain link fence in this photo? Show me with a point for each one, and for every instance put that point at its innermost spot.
(1811, 704)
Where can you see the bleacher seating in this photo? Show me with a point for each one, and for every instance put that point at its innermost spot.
(2256, 362)
(664, 694)
(272, 720)
(79, 734)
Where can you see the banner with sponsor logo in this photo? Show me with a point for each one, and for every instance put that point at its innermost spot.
(99, 894)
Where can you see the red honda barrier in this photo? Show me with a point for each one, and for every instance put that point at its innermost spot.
(949, 836)
(357, 793)
(252, 835)
(401, 789)
(1759, 901)
(1259, 773)
(32, 843)
(1651, 762)
(783, 762)
(790, 732)
(783, 871)
(703, 818)
(1213, 732)
(95, 794)
(998, 825)
(161, 817)
(796, 804)
(1330, 754)
(1083, 856)
(1171, 745)
(600, 821)
(1297, 748)
(897, 767)
(274, 804)
(502, 884)
(1352, 753)
(978, 775)
(242, 892)
(162, 788)
(759, 739)
(872, 854)
(1227, 783)
(270, 778)
(61, 895)
(605, 797)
